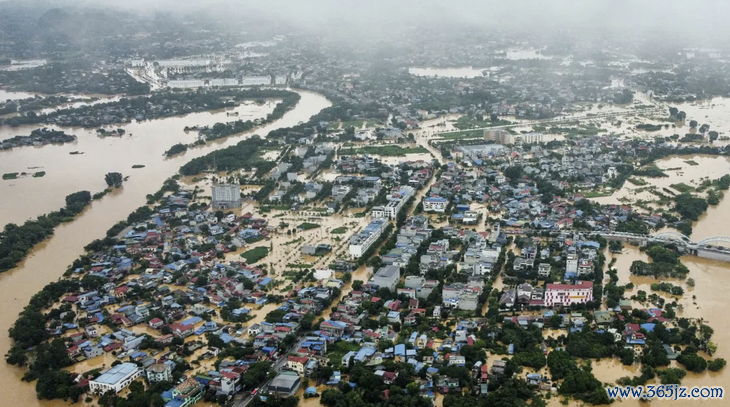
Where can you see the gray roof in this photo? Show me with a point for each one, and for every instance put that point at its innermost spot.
(117, 373)
(387, 272)
(285, 380)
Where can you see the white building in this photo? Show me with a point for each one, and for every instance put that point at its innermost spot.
(362, 241)
(159, 372)
(280, 80)
(256, 81)
(543, 270)
(396, 200)
(387, 277)
(223, 82)
(186, 83)
(435, 204)
(115, 379)
(567, 294)
(226, 196)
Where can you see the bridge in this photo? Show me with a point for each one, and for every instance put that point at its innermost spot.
(709, 247)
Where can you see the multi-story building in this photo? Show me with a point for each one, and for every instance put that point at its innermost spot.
(297, 363)
(567, 294)
(115, 379)
(500, 136)
(159, 372)
(585, 267)
(280, 80)
(543, 270)
(396, 200)
(503, 137)
(188, 392)
(387, 277)
(435, 204)
(226, 196)
(361, 242)
(256, 81)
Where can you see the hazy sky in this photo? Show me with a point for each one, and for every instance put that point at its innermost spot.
(703, 19)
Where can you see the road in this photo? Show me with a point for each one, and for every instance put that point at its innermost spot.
(244, 398)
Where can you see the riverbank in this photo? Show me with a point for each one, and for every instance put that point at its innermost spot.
(48, 260)
(143, 142)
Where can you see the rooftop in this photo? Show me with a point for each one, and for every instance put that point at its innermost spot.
(117, 373)
(285, 380)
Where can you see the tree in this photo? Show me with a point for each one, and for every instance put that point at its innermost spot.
(413, 388)
(331, 397)
(673, 111)
(713, 135)
(113, 179)
(693, 362)
(307, 320)
(275, 316)
(78, 198)
(693, 124)
(716, 364)
(681, 116)
(560, 364)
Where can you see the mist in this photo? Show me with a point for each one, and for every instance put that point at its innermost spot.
(702, 23)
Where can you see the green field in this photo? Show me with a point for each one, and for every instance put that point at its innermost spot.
(682, 187)
(339, 231)
(596, 194)
(255, 254)
(637, 181)
(39, 174)
(10, 175)
(470, 122)
(308, 226)
(295, 241)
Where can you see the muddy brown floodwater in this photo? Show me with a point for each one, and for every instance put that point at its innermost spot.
(143, 143)
(48, 261)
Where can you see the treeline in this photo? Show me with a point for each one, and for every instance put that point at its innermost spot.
(243, 155)
(156, 106)
(16, 241)
(220, 130)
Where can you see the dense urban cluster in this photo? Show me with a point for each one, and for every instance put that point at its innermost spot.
(425, 240)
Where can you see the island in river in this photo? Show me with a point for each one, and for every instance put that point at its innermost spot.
(38, 137)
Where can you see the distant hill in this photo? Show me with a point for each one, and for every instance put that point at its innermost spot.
(75, 26)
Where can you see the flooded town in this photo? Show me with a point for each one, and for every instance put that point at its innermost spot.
(238, 208)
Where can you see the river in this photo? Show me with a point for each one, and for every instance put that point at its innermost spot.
(12, 95)
(144, 143)
(48, 261)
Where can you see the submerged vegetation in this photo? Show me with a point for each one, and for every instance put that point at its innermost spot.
(16, 241)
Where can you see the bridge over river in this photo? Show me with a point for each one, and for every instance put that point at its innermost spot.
(710, 247)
